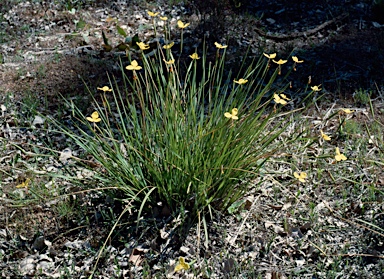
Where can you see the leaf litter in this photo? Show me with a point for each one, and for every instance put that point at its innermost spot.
(284, 230)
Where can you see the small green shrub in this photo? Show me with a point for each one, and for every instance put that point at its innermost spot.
(362, 97)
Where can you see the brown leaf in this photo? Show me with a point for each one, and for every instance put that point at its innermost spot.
(137, 256)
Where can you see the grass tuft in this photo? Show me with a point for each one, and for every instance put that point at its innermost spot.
(192, 138)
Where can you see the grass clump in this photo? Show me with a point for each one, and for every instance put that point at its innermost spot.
(183, 131)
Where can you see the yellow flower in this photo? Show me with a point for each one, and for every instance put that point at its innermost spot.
(181, 265)
(24, 184)
(94, 117)
(168, 46)
(241, 81)
(169, 62)
(104, 88)
(301, 176)
(339, 156)
(142, 46)
(296, 60)
(181, 24)
(270, 56)
(219, 45)
(163, 18)
(279, 100)
(194, 56)
(232, 115)
(134, 66)
(280, 62)
(324, 136)
(284, 97)
(315, 88)
(152, 14)
(347, 111)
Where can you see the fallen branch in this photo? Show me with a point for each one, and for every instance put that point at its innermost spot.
(295, 35)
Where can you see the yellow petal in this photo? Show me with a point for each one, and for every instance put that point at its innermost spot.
(280, 62)
(219, 45)
(300, 176)
(284, 97)
(270, 56)
(315, 88)
(194, 56)
(241, 81)
(324, 136)
(169, 62)
(278, 100)
(94, 117)
(24, 184)
(181, 265)
(181, 24)
(163, 18)
(297, 59)
(230, 116)
(142, 46)
(152, 14)
(339, 156)
(347, 111)
(104, 88)
(93, 120)
(168, 46)
(233, 114)
(134, 66)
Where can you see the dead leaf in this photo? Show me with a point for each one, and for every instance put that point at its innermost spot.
(276, 229)
(164, 234)
(137, 256)
(65, 155)
(286, 206)
(38, 120)
(300, 262)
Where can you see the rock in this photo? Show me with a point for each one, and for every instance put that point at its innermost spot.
(39, 243)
